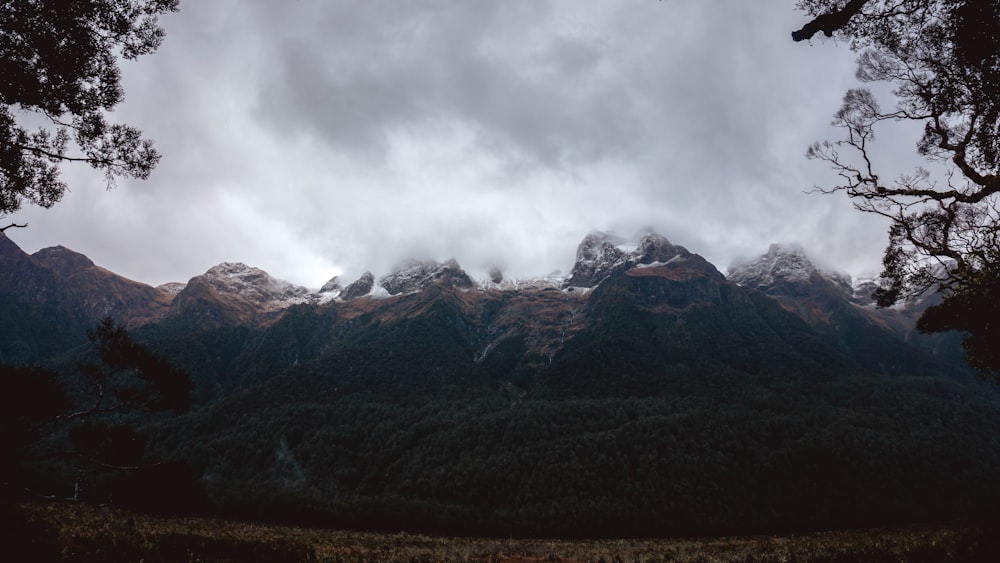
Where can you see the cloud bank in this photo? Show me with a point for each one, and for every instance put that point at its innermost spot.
(315, 138)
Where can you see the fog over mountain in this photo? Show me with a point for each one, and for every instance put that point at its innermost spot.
(318, 138)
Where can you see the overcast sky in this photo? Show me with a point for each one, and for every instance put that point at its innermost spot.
(320, 137)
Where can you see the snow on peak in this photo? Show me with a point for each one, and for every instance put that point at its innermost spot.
(332, 286)
(358, 288)
(415, 275)
(172, 288)
(787, 263)
(254, 284)
(601, 254)
(863, 288)
(782, 266)
(553, 280)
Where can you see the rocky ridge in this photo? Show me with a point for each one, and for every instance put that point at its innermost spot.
(415, 275)
(233, 292)
(60, 275)
(602, 254)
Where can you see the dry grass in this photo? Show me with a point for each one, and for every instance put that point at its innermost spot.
(79, 532)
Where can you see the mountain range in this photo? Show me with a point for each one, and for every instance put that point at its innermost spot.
(643, 393)
(58, 283)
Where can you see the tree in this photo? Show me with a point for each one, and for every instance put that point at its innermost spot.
(136, 377)
(32, 397)
(943, 58)
(59, 64)
(130, 379)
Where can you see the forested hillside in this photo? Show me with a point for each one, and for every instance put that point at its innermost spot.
(660, 398)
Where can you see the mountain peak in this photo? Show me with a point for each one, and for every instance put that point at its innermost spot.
(359, 287)
(785, 269)
(248, 284)
(601, 254)
(332, 286)
(62, 260)
(656, 248)
(9, 247)
(598, 255)
(414, 275)
(780, 264)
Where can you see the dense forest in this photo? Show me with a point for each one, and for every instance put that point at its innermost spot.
(726, 416)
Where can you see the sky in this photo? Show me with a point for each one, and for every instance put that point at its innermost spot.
(314, 138)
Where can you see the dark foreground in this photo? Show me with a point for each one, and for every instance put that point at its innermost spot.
(80, 532)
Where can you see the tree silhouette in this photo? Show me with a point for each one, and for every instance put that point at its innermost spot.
(129, 380)
(943, 57)
(59, 62)
(31, 398)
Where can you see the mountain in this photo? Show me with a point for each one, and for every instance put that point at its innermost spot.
(601, 254)
(416, 275)
(50, 298)
(644, 393)
(100, 293)
(527, 323)
(844, 310)
(233, 293)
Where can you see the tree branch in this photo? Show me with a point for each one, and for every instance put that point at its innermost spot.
(52, 155)
(830, 22)
(13, 225)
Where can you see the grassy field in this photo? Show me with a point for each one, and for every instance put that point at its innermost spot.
(80, 532)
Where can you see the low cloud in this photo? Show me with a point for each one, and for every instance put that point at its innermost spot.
(322, 137)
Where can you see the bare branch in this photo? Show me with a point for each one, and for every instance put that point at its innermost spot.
(14, 226)
(829, 22)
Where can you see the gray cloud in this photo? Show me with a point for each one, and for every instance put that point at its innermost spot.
(318, 137)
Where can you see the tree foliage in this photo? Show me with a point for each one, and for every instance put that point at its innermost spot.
(99, 424)
(136, 376)
(32, 397)
(943, 58)
(59, 64)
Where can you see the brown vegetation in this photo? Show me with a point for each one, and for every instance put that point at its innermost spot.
(80, 532)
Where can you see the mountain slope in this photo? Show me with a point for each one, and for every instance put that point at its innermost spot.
(884, 339)
(665, 399)
(49, 299)
(643, 394)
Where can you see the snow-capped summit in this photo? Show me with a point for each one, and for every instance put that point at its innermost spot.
(863, 288)
(655, 248)
(598, 255)
(359, 287)
(253, 284)
(781, 263)
(332, 286)
(787, 270)
(601, 254)
(414, 275)
(172, 288)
